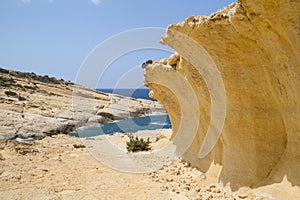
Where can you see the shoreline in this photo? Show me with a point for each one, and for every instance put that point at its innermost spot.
(38, 106)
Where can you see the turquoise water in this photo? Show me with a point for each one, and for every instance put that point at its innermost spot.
(135, 93)
(151, 122)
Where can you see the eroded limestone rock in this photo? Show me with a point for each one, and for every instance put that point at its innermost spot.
(253, 47)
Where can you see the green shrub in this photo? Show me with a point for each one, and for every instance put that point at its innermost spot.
(4, 71)
(137, 144)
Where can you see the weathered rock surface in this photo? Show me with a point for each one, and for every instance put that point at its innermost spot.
(239, 70)
(59, 167)
(36, 106)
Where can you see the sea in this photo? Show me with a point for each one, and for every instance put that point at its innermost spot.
(148, 122)
(142, 93)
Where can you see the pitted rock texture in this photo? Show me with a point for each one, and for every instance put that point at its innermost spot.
(253, 47)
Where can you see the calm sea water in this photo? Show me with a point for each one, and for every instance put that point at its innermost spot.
(135, 93)
(151, 122)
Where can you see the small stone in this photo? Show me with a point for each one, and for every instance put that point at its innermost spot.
(78, 146)
(1, 157)
(169, 179)
(208, 197)
(208, 189)
(45, 170)
(216, 190)
(197, 198)
(243, 196)
(57, 189)
(202, 176)
(164, 188)
(198, 189)
(187, 187)
(186, 164)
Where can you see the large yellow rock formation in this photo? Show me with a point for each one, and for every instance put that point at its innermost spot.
(232, 92)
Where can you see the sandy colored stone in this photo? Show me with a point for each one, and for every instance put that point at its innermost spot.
(54, 169)
(253, 47)
(1, 157)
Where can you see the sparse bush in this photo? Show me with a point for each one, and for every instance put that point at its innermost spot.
(4, 71)
(78, 146)
(136, 144)
(11, 94)
(30, 87)
(22, 98)
(6, 82)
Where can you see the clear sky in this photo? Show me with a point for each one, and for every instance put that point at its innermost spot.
(54, 37)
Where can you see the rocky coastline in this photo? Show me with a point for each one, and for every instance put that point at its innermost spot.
(38, 106)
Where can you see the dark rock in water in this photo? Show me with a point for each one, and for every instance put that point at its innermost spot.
(98, 119)
(24, 137)
(63, 129)
(140, 112)
(106, 115)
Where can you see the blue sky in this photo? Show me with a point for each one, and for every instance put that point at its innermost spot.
(55, 37)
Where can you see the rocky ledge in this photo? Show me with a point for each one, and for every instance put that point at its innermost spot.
(37, 106)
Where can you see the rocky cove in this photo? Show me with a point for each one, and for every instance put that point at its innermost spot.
(231, 91)
(38, 106)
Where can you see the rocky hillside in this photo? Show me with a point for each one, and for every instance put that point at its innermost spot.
(36, 106)
(234, 89)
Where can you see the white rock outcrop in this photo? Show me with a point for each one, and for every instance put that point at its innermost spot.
(36, 106)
